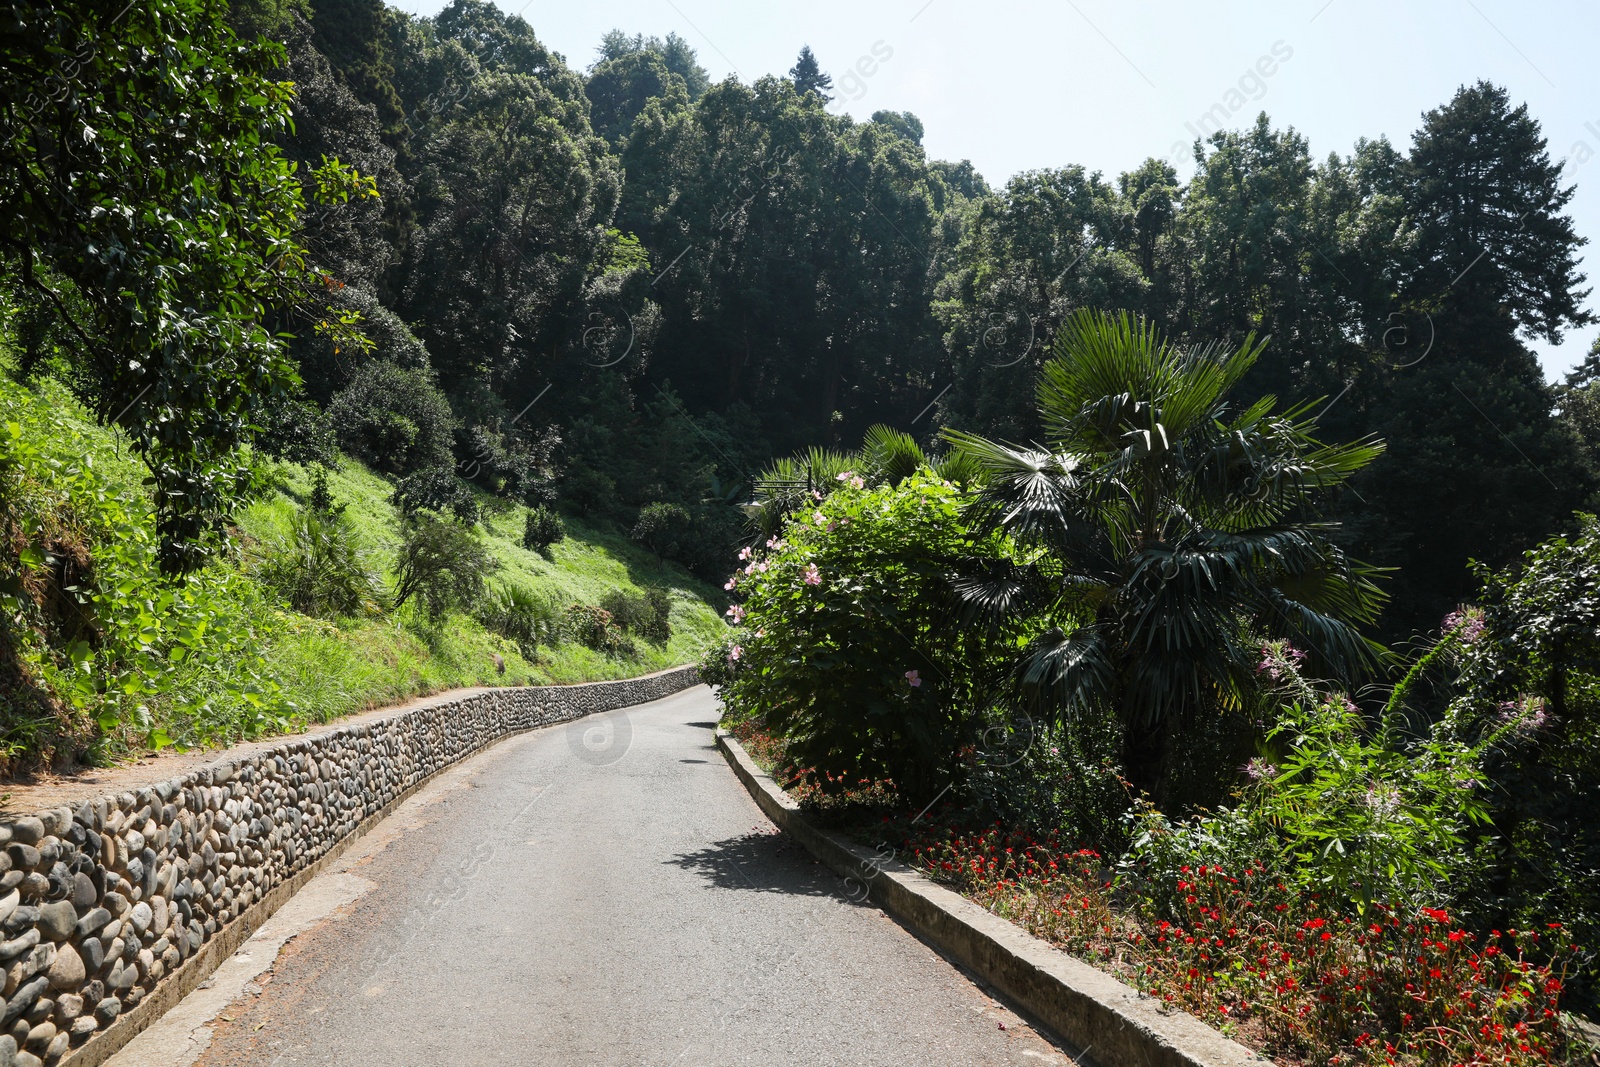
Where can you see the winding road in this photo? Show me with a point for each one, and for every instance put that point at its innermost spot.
(603, 892)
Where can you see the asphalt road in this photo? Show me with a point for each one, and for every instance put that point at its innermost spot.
(598, 893)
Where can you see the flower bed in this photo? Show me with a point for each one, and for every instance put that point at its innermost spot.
(1280, 971)
(1283, 971)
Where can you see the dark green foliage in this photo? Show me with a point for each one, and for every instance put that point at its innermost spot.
(903, 123)
(354, 246)
(351, 33)
(320, 569)
(674, 52)
(163, 302)
(620, 88)
(809, 77)
(394, 418)
(542, 528)
(645, 614)
(443, 564)
(662, 527)
(436, 489)
(1174, 526)
(1043, 778)
(1535, 665)
(1487, 470)
(320, 500)
(328, 365)
(294, 428)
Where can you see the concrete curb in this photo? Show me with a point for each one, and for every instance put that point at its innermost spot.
(1113, 1023)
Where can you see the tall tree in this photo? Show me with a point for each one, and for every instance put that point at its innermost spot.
(808, 76)
(1479, 466)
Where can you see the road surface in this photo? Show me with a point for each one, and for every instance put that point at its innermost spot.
(603, 892)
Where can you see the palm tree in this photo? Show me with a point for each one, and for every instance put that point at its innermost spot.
(887, 457)
(1170, 533)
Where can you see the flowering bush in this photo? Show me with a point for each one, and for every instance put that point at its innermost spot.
(845, 639)
(1281, 969)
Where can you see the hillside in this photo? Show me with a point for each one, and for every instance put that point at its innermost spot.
(218, 655)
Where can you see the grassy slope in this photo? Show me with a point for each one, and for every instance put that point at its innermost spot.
(332, 668)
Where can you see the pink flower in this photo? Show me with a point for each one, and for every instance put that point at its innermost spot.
(744, 553)
(811, 575)
(774, 544)
(914, 678)
(1466, 624)
(819, 518)
(731, 582)
(852, 479)
(761, 632)
(1258, 768)
(734, 653)
(737, 613)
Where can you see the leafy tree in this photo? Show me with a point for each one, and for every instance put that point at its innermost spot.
(393, 418)
(512, 200)
(441, 563)
(1166, 534)
(1480, 468)
(676, 55)
(356, 244)
(159, 265)
(352, 35)
(620, 88)
(1051, 243)
(903, 123)
(808, 77)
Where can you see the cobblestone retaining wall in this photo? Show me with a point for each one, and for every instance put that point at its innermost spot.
(102, 902)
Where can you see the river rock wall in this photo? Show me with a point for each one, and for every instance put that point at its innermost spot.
(103, 903)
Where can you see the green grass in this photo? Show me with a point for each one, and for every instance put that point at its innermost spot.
(316, 670)
(332, 669)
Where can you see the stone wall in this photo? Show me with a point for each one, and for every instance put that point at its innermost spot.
(133, 897)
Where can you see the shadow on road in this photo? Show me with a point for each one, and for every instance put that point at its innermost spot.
(765, 862)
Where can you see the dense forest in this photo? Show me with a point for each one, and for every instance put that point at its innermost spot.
(620, 289)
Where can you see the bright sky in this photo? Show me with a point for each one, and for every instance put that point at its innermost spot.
(1016, 86)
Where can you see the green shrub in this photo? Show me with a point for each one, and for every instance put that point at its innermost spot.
(1362, 815)
(542, 528)
(320, 500)
(848, 648)
(718, 666)
(441, 563)
(661, 527)
(522, 615)
(594, 628)
(1049, 779)
(320, 568)
(394, 418)
(699, 536)
(436, 489)
(645, 614)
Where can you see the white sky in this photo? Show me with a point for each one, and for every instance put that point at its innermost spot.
(1014, 86)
